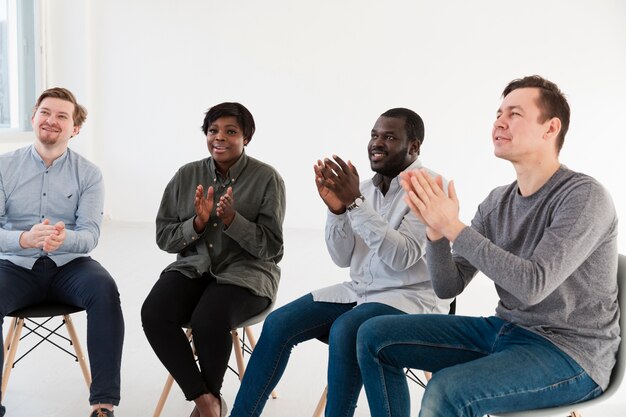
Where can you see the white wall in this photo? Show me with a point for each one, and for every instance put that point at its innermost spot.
(317, 74)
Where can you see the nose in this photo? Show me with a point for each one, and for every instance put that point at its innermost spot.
(499, 122)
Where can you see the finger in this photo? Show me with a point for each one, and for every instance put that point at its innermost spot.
(209, 194)
(344, 167)
(418, 189)
(435, 187)
(331, 168)
(352, 169)
(452, 192)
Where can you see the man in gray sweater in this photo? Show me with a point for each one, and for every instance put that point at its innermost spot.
(548, 241)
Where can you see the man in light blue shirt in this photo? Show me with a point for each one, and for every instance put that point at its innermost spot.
(51, 202)
(371, 230)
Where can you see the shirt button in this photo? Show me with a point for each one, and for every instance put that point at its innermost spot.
(210, 245)
(193, 238)
(214, 224)
(44, 194)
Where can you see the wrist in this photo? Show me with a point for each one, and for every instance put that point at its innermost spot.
(454, 230)
(358, 201)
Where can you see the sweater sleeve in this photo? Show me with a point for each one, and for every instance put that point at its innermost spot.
(574, 231)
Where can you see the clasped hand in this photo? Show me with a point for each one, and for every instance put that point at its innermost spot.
(337, 183)
(45, 236)
(428, 201)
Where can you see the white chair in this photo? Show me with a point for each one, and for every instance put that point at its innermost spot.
(239, 347)
(617, 376)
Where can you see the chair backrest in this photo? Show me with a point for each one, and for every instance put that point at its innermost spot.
(617, 376)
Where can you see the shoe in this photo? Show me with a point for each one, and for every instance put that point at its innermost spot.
(195, 412)
(102, 412)
(224, 407)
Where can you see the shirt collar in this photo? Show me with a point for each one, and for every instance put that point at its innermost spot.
(38, 158)
(234, 171)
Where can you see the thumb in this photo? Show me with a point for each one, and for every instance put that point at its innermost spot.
(59, 226)
(45, 221)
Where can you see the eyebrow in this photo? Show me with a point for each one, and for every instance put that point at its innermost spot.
(393, 132)
(515, 107)
(228, 126)
(48, 109)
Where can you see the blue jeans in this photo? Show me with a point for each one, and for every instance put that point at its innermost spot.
(481, 366)
(82, 282)
(298, 321)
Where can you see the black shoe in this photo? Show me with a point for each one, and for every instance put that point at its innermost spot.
(102, 412)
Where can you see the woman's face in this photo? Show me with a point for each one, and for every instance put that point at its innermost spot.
(225, 142)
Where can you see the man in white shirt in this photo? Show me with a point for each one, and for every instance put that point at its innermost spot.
(371, 230)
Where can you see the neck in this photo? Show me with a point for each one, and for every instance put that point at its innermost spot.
(49, 153)
(532, 176)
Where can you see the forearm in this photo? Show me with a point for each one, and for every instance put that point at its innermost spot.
(339, 238)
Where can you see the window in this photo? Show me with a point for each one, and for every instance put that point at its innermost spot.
(17, 64)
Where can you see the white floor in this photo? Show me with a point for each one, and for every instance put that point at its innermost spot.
(48, 383)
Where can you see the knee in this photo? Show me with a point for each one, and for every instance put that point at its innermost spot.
(151, 311)
(343, 335)
(367, 337)
(105, 291)
(443, 392)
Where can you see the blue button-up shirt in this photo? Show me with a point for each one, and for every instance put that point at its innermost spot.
(70, 190)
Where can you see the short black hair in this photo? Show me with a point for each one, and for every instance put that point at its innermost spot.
(413, 123)
(236, 110)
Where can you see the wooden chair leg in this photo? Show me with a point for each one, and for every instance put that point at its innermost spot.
(238, 355)
(321, 405)
(9, 338)
(80, 356)
(168, 385)
(10, 352)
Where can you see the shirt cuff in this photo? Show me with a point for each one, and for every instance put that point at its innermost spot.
(12, 240)
(189, 233)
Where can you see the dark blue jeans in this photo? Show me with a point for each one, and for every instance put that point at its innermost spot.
(482, 366)
(298, 321)
(82, 282)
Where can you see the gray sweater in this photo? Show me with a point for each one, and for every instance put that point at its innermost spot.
(553, 259)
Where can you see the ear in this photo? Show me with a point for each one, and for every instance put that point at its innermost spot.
(245, 142)
(553, 128)
(75, 131)
(414, 147)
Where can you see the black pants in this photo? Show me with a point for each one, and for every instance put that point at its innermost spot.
(213, 310)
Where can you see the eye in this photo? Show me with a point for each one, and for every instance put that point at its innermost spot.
(232, 132)
(62, 116)
(212, 131)
(373, 136)
(390, 137)
(515, 114)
